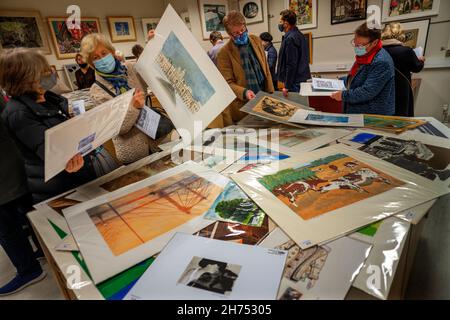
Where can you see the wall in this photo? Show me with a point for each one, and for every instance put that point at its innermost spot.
(332, 51)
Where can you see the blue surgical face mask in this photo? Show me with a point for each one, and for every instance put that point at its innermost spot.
(360, 51)
(107, 64)
(242, 39)
(48, 82)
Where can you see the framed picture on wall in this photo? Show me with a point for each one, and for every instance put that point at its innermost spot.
(69, 71)
(186, 19)
(122, 29)
(416, 33)
(212, 13)
(306, 11)
(309, 39)
(395, 10)
(149, 24)
(23, 29)
(67, 42)
(252, 10)
(348, 10)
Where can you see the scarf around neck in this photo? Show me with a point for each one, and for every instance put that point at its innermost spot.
(252, 68)
(366, 59)
(118, 78)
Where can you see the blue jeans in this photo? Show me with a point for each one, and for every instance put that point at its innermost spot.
(13, 237)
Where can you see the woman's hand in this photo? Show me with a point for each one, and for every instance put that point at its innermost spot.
(75, 164)
(138, 99)
(250, 95)
(150, 35)
(337, 95)
(422, 59)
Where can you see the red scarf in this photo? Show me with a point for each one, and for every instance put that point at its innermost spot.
(366, 59)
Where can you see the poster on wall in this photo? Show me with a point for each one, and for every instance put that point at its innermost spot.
(306, 11)
(212, 13)
(122, 29)
(395, 10)
(183, 77)
(23, 29)
(68, 42)
(348, 10)
(252, 10)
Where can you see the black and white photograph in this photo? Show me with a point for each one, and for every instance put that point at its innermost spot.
(206, 274)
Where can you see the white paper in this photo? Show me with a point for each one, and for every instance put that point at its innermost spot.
(185, 80)
(325, 272)
(84, 133)
(148, 122)
(327, 119)
(320, 84)
(252, 272)
(419, 52)
(306, 90)
(120, 229)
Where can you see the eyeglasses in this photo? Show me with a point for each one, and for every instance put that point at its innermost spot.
(352, 42)
(238, 34)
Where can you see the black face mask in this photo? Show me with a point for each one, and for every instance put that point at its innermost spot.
(32, 95)
(82, 65)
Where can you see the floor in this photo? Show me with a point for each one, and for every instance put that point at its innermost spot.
(430, 277)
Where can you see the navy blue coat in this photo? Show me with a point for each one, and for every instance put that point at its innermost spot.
(372, 90)
(293, 59)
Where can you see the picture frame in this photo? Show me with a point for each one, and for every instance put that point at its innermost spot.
(122, 29)
(416, 33)
(149, 24)
(309, 40)
(404, 11)
(212, 13)
(67, 43)
(253, 10)
(31, 35)
(186, 19)
(343, 11)
(69, 71)
(306, 13)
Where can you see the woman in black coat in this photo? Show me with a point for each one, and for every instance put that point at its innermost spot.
(26, 76)
(406, 62)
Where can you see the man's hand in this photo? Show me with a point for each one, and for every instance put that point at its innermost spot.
(250, 95)
(285, 92)
(75, 164)
(138, 99)
(337, 95)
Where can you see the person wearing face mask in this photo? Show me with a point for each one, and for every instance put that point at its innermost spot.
(272, 55)
(112, 79)
(293, 64)
(85, 76)
(371, 82)
(26, 76)
(242, 62)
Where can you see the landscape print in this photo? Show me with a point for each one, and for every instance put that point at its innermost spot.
(143, 215)
(292, 138)
(233, 205)
(277, 108)
(391, 124)
(425, 160)
(183, 74)
(327, 184)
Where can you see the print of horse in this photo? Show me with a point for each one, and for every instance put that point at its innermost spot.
(365, 177)
(294, 189)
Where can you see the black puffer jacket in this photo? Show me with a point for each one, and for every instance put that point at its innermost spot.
(27, 121)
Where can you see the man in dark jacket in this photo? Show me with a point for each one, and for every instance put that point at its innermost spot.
(293, 63)
(272, 56)
(15, 202)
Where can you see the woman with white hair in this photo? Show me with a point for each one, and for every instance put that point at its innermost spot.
(405, 62)
(114, 78)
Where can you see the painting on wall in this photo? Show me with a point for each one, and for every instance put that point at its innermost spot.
(23, 29)
(122, 29)
(69, 71)
(306, 11)
(395, 10)
(212, 13)
(68, 41)
(252, 10)
(149, 24)
(309, 39)
(348, 10)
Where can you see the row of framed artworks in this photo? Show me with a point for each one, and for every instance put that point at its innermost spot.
(343, 11)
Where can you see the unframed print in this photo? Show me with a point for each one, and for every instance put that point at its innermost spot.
(118, 230)
(183, 77)
(327, 119)
(333, 191)
(321, 272)
(391, 123)
(214, 269)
